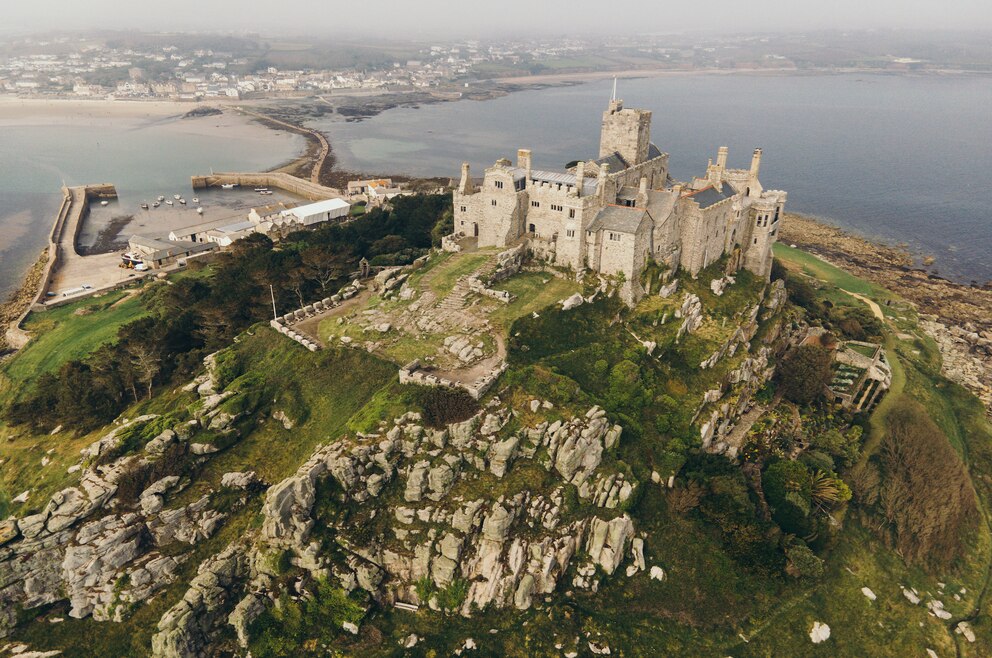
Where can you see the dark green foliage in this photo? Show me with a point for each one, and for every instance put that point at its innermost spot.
(788, 491)
(804, 372)
(857, 323)
(844, 446)
(802, 562)
(442, 406)
(296, 628)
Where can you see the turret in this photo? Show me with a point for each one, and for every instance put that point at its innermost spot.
(755, 163)
(604, 171)
(721, 157)
(465, 186)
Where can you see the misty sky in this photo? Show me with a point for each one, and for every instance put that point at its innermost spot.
(417, 18)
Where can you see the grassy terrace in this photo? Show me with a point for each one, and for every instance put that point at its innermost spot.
(69, 332)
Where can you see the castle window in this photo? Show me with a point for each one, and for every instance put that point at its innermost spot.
(493, 202)
(535, 204)
(556, 207)
(570, 233)
(498, 184)
(756, 241)
(615, 237)
(463, 208)
(571, 213)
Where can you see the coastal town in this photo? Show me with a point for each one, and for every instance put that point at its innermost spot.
(170, 67)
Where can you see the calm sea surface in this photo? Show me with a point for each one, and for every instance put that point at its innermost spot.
(906, 159)
(142, 157)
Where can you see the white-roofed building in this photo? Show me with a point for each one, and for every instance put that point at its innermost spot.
(321, 211)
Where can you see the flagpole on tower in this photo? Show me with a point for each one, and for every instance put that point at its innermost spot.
(614, 98)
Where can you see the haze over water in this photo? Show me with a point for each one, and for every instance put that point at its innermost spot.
(902, 158)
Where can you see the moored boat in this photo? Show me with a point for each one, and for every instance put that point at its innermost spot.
(144, 206)
(168, 202)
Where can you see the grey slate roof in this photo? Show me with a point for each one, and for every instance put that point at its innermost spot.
(711, 196)
(653, 151)
(618, 218)
(615, 161)
(588, 184)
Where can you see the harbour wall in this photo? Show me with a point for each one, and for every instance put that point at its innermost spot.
(279, 180)
(62, 239)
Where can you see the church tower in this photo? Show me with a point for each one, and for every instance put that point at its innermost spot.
(625, 131)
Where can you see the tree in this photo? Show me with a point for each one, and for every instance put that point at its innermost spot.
(926, 493)
(325, 264)
(804, 373)
(788, 490)
(147, 364)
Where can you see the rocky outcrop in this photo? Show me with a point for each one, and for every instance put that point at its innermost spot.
(507, 549)
(188, 627)
(104, 563)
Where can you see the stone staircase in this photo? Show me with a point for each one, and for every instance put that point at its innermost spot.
(455, 300)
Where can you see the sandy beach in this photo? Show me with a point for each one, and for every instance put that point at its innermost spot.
(27, 111)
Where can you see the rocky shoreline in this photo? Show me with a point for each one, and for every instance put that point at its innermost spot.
(957, 316)
(19, 300)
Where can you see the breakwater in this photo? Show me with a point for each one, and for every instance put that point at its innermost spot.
(61, 246)
(279, 180)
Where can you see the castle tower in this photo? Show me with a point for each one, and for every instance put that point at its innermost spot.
(465, 185)
(625, 131)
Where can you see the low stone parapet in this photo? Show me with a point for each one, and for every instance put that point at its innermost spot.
(412, 373)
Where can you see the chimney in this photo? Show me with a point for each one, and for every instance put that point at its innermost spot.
(580, 176)
(523, 159)
(721, 157)
(604, 171)
(642, 193)
(755, 163)
(465, 186)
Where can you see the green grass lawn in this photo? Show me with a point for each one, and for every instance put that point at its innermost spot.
(533, 291)
(68, 332)
(813, 266)
(443, 277)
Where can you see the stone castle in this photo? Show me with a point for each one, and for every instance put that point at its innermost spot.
(616, 213)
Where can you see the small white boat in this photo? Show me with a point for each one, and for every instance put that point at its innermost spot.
(182, 201)
(176, 197)
(155, 205)
(261, 189)
(168, 202)
(103, 203)
(161, 198)
(265, 192)
(228, 186)
(196, 200)
(144, 206)
(199, 211)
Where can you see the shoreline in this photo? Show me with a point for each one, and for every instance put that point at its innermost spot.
(957, 316)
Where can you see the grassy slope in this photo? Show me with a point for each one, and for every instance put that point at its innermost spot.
(69, 332)
(59, 335)
(890, 625)
(707, 600)
(331, 385)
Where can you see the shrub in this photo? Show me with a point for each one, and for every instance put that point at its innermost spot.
(802, 562)
(804, 373)
(442, 406)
